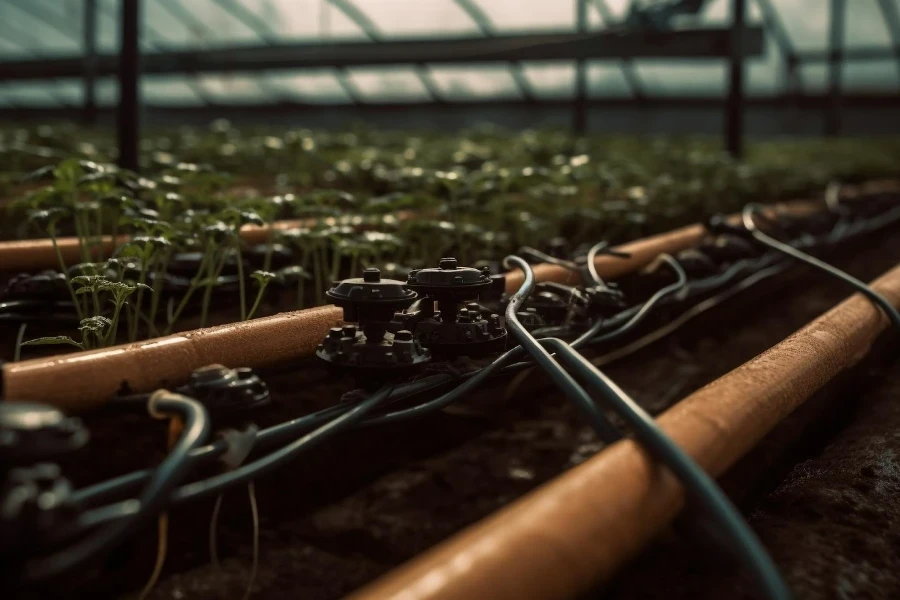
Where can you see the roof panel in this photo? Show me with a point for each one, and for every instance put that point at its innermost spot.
(234, 89)
(401, 18)
(667, 78)
(318, 86)
(605, 80)
(224, 25)
(388, 84)
(865, 25)
(173, 21)
(40, 94)
(161, 90)
(509, 15)
(876, 76)
(312, 19)
(462, 83)
(550, 80)
(38, 34)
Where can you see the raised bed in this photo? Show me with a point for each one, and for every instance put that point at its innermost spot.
(375, 498)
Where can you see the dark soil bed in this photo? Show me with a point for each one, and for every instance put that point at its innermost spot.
(351, 511)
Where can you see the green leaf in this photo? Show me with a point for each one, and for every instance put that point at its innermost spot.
(90, 281)
(47, 341)
(263, 277)
(68, 172)
(47, 217)
(94, 324)
(292, 273)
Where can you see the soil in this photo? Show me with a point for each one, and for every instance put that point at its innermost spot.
(351, 511)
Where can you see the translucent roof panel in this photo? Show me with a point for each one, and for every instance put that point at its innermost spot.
(399, 18)
(52, 34)
(236, 89)
(320, 86)
(309, 19)
(461, 83)
(865, 25)
(389, 84)
(550, 80)
(510, 15)
(606, 80)
(32, 29)
(177, 90)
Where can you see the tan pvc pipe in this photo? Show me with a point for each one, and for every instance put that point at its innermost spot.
(574, 532)
(644, 251)
(86, 380)
(36, 254)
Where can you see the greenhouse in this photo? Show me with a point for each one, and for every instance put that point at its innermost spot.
(449, 299)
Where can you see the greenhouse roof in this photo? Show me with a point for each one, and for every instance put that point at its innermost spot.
(36, 29)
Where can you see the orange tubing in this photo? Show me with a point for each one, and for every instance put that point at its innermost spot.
(574, 532)
(37, 254)
(644, 251)
(86, 380)
(34, 255)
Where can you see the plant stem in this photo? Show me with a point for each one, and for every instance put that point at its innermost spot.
(62, 267)
(191, 289)
(100, 233)
(17, 353)
(267, 261)
(241, 284)
(207, 293)
(162, 266)
(114, 328)
(142, 279)
(82, 237)
(259, 295)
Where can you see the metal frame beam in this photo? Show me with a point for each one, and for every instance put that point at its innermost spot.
(153, 37)
(837, 13)
(89, 35)
(696, 43)
(734, 112)
(128, 126)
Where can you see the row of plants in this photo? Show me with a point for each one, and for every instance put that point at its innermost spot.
(360, 198)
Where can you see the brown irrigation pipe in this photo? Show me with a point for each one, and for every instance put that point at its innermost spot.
(574, 532)
(36, 254)
(86, 380)
(644, 251)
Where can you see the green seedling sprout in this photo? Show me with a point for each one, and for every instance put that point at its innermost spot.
(120, 293)
(238, 219)
(47, 219)
(149, 252)
(91, 327)
(262, 279)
